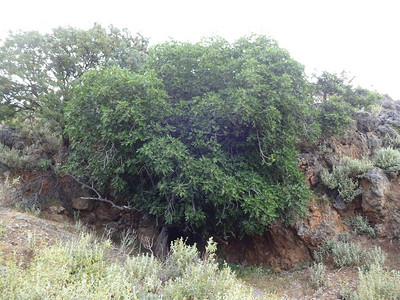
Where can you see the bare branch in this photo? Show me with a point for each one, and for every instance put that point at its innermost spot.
(99, 197)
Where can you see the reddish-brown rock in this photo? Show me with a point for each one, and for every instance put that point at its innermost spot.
(278, 247)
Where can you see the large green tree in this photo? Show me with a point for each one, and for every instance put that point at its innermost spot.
(213, 153)
(38, 71)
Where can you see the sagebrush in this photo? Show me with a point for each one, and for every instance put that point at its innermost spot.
(85, 269)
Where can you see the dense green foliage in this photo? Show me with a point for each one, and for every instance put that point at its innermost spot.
(37, 72)
(216, 152)
(204, 135)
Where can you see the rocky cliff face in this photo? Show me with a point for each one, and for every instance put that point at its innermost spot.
(379, 200)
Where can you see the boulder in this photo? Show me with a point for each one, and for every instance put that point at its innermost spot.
(82, 204)
(374, 203)
(322, 222)
(367, 122)
(104, 212)
(280, 246)
(10, 137)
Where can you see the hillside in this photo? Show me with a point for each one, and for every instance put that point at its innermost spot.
(185, 151)
(278, 261)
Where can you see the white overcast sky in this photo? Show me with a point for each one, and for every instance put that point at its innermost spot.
(361, 37)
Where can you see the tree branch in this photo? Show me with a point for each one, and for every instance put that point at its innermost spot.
(99, 197)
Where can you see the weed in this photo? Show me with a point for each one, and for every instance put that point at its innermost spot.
(388, 159)
(3, 229)
(30, 241)
(360, 226)
(344, 237)
(318, 256)
(377, 283)
(391, 141)
(375, 257)
(128, 242)
(80, 269)
(347, 254)
(344, 177)
(248, 271)
(317, 274)
(79, 227)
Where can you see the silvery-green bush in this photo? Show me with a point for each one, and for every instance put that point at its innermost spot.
(344, 177)
(388, 159)
(83, 269)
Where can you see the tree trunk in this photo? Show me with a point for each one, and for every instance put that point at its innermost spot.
(161, 246)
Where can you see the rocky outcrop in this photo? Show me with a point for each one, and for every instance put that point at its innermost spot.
(280, 246)
(322, 222)
(379, 202)
(374, 203)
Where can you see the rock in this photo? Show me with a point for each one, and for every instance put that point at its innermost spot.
(380, 230)
(391, 117)
(374, 143)
(10, 137)
(56, 209)
(82, 204)
(7, 136)
(387, 103)
(104, 212)
(280, 246)
(367, 122)
(387, 130)
(374, 204)
(321, 222)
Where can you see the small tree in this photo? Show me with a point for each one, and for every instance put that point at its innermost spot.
(339, 100)
(38, 72)
(216, 153)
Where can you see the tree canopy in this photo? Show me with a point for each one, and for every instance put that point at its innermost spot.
(38, 71)
(339, 100)
(204, 137)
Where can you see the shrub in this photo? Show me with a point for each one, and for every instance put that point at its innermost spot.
(9, 194)
(80, 269)
(344, 177)
(317, 274)
(201, 278)
(391, 141)
(357, 167)
(15, 160)
(180, 257)
(3, 229)
(375, 257)
(347, 254)
(340, 179)
(377, 283)
(144, 269)
(349, 189)
(388, 159)
(360, 226)
(329, 179)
